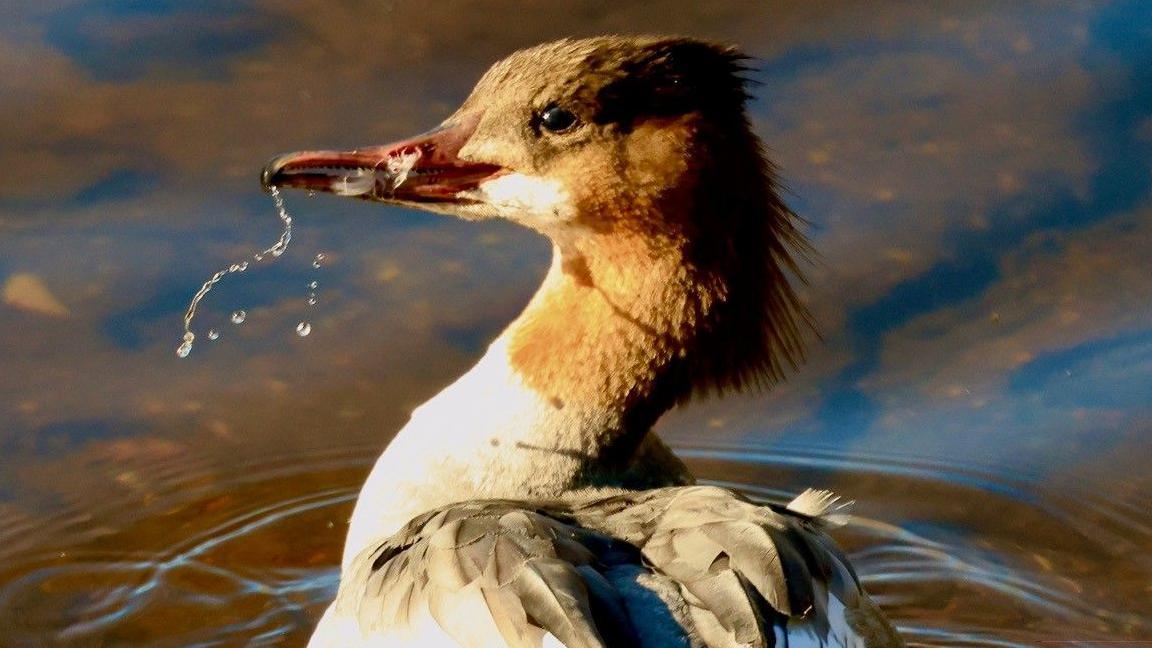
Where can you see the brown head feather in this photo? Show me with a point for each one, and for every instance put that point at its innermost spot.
(682, 252)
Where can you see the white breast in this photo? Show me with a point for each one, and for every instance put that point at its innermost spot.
(479, 437)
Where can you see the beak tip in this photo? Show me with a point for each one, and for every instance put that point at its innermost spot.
(268, 175)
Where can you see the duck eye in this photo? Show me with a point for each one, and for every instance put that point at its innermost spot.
(557, 120)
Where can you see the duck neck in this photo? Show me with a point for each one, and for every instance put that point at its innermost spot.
(609, 336)
(576, 382)
(563, 400)
(641, 307)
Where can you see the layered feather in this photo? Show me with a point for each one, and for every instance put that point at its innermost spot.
(727, 571)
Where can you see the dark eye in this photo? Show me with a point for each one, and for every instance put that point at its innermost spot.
(557, 120)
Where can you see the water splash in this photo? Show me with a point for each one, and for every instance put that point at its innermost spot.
(400, 166)
(286, 234)
(213, 334)
(275, 250)
(185, 347)
(304, 328)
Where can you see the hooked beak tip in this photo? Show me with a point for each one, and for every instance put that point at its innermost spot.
(271, 171)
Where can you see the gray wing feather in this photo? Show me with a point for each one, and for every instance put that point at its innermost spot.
(740, 568)
(520, 564)
(556, 598)
(683, 530)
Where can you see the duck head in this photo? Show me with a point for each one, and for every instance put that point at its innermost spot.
(559, 136)
(632, 154)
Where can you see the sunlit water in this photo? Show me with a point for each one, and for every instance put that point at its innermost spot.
(958, 556)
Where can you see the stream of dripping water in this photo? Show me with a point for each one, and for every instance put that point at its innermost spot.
(275, 251)
(394, 174)
(305, 327)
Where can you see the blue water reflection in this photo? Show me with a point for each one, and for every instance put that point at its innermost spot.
(168, 37)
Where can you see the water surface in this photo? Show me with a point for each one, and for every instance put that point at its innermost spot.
(977, 177)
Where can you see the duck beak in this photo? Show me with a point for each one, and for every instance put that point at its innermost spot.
(423, 169)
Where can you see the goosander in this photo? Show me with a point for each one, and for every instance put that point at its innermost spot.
(530, 502)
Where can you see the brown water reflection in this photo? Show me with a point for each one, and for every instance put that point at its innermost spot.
(254, 560)
(978, 177)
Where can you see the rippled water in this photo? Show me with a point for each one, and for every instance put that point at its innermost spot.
(978, 179)
(957, 556)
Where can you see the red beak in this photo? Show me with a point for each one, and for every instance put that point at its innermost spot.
(423, 169)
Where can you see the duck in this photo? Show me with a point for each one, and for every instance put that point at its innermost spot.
(531, 502)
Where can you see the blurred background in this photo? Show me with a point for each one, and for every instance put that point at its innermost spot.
(978, 179)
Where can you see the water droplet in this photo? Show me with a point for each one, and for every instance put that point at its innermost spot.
(303, 329)
(189, 336)
(183, 350)
(213, 334)
(311, 300)
(319, 260)
(276, 250)
(313, 285)
(311, 193)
